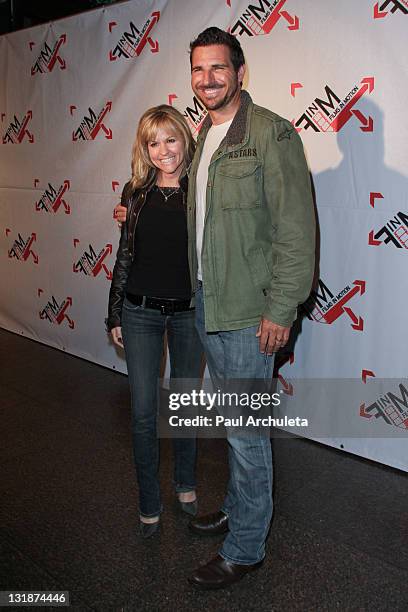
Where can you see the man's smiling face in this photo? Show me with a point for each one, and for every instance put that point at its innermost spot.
(213, 77)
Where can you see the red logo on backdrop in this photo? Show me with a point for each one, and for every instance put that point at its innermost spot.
(22, 247)
(194, 114)
(92, 124)
(391, 407)
(281, 360)
(55, 312)
(259, 19)
(394, 232)
(18, 130)
(53, 199)
(49, 57)
(91, 263)
(382, 9)
(331, 112)
(132, 42)
(324, 306)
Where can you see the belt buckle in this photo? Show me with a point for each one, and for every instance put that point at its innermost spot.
(167, 309)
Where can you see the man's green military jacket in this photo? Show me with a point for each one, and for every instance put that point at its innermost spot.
(259, 231)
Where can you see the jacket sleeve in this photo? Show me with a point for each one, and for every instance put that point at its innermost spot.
(288, 193)
(120, 271)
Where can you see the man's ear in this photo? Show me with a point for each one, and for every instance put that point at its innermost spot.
(241, 74)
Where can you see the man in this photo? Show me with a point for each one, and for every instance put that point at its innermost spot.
(251, 254)
(251, 247)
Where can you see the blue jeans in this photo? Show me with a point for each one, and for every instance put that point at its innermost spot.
(248, 503)
(143, 332)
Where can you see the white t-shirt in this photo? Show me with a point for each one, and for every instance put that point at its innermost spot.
(214, 137)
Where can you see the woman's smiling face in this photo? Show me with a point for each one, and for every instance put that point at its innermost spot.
(166, 152)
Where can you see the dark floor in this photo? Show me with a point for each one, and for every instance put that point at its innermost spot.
(68, 513)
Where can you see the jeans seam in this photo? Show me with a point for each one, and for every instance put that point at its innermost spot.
(151, 515)
(239, 561)
(180, 488)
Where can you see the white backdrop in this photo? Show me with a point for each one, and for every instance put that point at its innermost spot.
(72, 93)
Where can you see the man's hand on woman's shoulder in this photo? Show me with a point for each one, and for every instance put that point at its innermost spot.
(119, 213)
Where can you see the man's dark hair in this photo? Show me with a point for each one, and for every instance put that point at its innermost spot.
(215, 36)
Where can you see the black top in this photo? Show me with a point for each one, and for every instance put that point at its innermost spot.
(160, 263)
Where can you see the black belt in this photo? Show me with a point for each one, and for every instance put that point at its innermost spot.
(167, 306)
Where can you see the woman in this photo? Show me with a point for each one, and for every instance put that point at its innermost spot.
(150, 294)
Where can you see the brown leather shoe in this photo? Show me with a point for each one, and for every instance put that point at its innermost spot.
(219, 573)
(210, 524)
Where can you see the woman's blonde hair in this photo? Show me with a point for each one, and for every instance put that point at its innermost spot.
(158, 117)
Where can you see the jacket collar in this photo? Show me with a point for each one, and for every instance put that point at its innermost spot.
(237, 132)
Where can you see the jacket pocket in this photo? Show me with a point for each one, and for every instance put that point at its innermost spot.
(261, 275)
(240, 184)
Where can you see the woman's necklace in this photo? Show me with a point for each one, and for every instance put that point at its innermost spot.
(167, 196)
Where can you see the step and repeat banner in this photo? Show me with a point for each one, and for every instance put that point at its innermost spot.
(71, 96)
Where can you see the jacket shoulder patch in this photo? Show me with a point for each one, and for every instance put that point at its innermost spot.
(287, 133)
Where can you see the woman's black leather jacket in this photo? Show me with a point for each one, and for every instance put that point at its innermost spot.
(134, 202)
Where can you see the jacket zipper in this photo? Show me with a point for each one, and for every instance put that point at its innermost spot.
(143, 195)
(185, 205)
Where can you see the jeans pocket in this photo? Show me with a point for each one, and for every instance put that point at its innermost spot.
(130, 306)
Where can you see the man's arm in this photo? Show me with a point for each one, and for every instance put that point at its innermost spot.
(288, 195)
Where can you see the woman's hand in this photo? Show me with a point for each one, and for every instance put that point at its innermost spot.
(119, 213)
(116, 333)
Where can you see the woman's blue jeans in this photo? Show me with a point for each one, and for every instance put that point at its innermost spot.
(143, 331)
